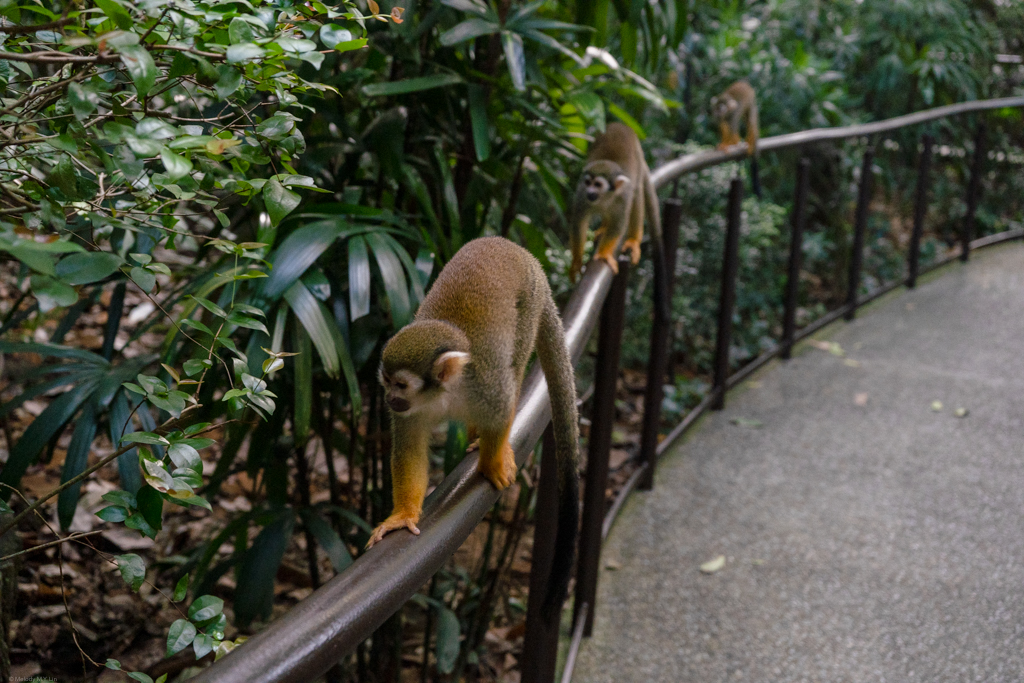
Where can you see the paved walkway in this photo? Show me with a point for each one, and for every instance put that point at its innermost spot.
(875, 542)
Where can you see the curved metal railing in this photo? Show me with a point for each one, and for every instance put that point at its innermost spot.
(329, 624)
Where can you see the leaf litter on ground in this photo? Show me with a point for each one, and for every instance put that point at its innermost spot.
(712, 566)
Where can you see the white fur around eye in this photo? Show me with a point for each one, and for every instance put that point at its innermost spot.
(414, 381)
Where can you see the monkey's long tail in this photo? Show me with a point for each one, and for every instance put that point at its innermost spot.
(554, 359)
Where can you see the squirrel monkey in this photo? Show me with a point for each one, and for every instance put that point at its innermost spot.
(463, 357)
(615, 185)
(735, 103)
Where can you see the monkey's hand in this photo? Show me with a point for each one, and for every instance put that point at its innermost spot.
(396, 521)
(633, 247)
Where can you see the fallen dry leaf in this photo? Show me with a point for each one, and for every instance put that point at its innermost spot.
(860, 399)
(961, 412)
(851, 363)
(754, 384)
(832, 347)
(712, 566)
(936, 406)
(612, 564)
(746, 422)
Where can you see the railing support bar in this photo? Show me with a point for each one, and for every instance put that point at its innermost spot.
(540, 649)
(602, 418)
(727, 299)
(859, 224)
(973, 192)
(796, 242)
(657, 361)
(920, 207)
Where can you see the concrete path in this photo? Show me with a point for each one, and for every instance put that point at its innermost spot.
(876, 542)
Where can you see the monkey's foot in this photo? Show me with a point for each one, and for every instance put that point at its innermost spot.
(501, 470)
(610, 259)
(395, 521)
(633, 247)
(474, 445)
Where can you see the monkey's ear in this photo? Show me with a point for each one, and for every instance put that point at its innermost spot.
(621, 181)
(449, 365)
(733, 105)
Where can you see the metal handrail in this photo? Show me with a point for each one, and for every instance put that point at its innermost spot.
(318, 632)
(699, 161)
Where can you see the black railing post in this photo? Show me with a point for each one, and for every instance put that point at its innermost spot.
(727, 299)
(973, 192)
(657, 361)
(540, 649)
(859, 225)
(602, 418)
(796, 252)
(920, 206)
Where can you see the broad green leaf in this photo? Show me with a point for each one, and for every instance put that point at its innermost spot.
(90, 266)
(472, 6)
(358, 277)
(590, 107)
(229, 82)
(411, 85)
(300, 250)
(328, 539)
(244, 52)
(181, 589)
(144, 437)
(245, 321)
(624, 116)
(254, 596)
(179, 636)
(394, 279)
(311, 314)
(183, 455)
(350, 45)
(478, 117)
(151, 505)
(113, 513)
(512, 43)
(123, 498)
(332, 34)
(303, 368)
(448, 635)
(203, 645)
(140, 67)
(176, 165)
(205, 607)
(210, 306)
(133, 570)
(468, 30)
(280, 200)
(145, 279)
(127, 463)
(117, 13)
(75, 463)
(51, 293)
(240, 31)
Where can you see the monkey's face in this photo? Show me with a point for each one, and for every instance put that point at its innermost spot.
(408, 392)
(403, 390)
(599, 184)
(723, 106)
